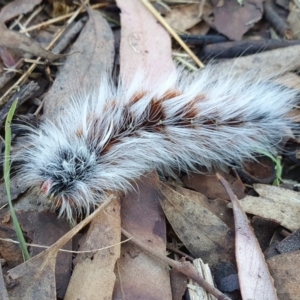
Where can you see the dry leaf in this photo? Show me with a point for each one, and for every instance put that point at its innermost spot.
(16, 8)
(178, 284)
(140, 275)
(242, 17)
(141, 49)
(270, 62)
(93, 274)
(203, 233)
(3, 291)
(209, 185)
(285, 270)
(254, 277)
(91, 54)
(184, 17)
(36, 277)
(16, 40)
(217, 206)
(274, 203)
(36, 224)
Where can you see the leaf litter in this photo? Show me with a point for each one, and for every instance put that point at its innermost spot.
(138, 268)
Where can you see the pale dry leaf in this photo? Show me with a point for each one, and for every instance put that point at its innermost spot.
(16, 8)
(203, 233)
(285, 270)
(91, 54)
(274, 203)
(93, 274)
(138, 274)
(145, 45)
(270, 62)
(254, 277)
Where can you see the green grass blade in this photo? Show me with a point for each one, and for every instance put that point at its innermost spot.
(7, 180)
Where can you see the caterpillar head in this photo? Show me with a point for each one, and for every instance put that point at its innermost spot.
(63, 171)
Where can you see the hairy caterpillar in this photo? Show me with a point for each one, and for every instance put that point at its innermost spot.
(112, 135)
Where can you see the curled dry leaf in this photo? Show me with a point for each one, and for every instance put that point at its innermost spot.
(274, 203)
(254, 277)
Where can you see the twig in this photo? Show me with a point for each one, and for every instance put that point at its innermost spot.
(277, 22)
(60, 18)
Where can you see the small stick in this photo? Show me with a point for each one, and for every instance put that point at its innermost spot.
(276, 21)
(60, 18)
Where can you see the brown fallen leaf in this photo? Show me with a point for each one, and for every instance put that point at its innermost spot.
(208, 185)
(217, 206)
(93, 274)
(36, 277)
(274, 203)
(203, 233)
(285, 270)
(138, 274)
(242, 17)
(254, 276)
(178, 284)
(36, 223)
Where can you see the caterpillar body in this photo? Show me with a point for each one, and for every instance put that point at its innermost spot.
(109, 136)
